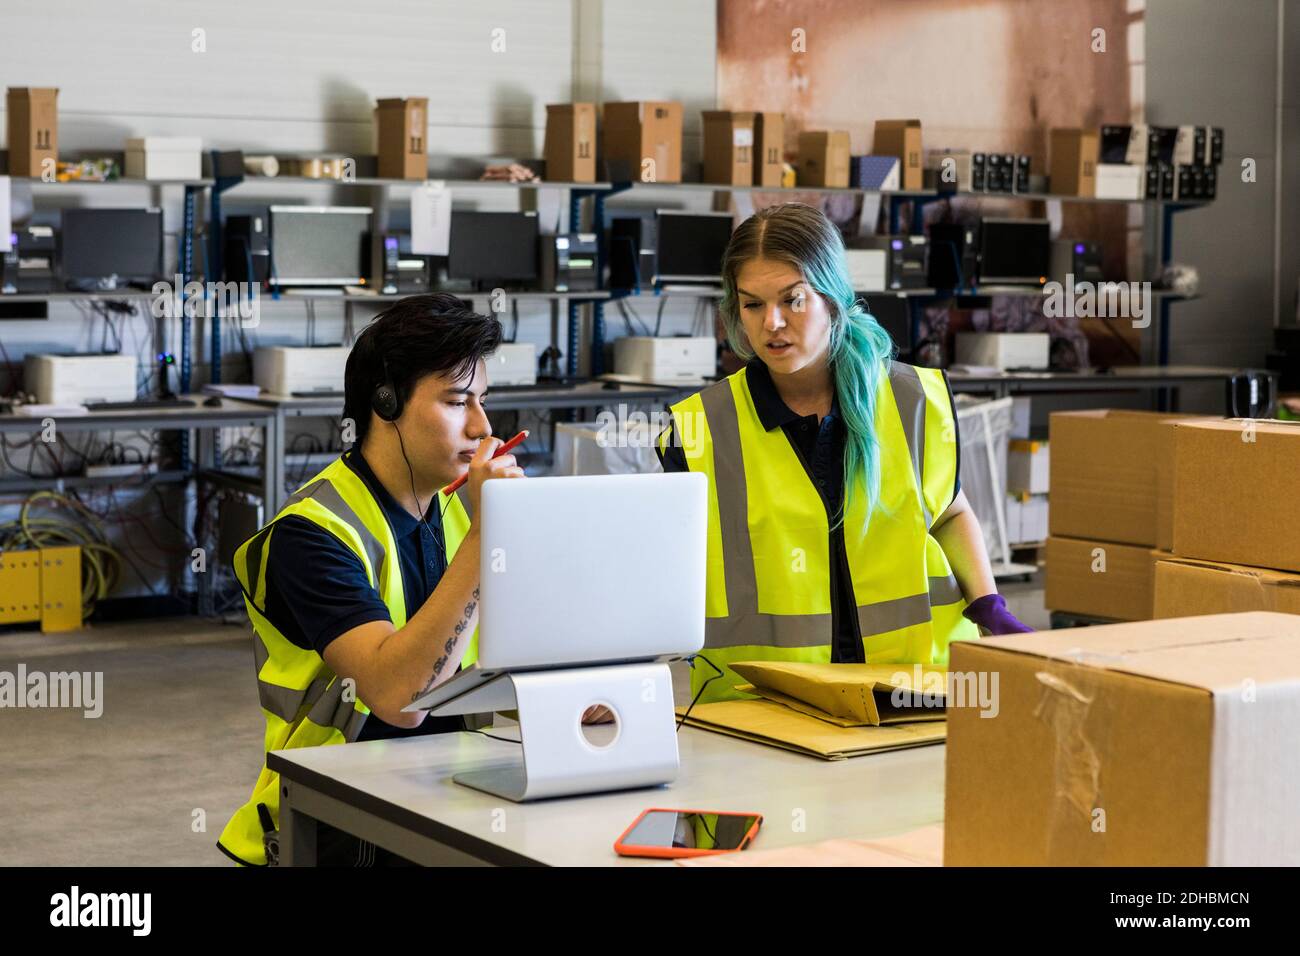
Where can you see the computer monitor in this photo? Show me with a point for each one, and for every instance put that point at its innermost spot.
(690, 245)
(492, 246)
(319, 245)
(1015, 251)
(587, 570)
(111, 246)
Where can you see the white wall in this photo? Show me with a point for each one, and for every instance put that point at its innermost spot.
(296, 76)
(1216, 63)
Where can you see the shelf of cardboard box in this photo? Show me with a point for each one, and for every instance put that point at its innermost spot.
(908, 193)
(707, 187)
(449, 183)
(120, 181)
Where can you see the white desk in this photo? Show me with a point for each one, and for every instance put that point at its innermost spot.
(399, 794)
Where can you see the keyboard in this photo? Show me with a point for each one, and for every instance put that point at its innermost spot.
(140, 404)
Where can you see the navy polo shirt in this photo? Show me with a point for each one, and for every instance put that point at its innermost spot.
(317, 589)
(819, 445)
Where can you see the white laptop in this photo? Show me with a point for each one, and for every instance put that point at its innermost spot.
(587, 570)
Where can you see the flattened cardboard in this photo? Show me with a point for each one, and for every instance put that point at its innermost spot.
(1162, 743)
(1077, 583)
(1185, 587)
(851, 695)
(1235, 492)
(773, 724)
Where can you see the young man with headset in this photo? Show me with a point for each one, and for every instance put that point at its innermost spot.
(363, 591)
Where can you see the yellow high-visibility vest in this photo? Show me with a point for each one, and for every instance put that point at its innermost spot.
(304, 702)
(768, 592)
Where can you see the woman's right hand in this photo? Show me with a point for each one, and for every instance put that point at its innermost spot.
(483, 467)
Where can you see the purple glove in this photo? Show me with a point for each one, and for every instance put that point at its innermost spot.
(990, 613)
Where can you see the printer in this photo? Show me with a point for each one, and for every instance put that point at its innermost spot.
(513, 363)
(669, 360)
(78, 379)
(286, 370)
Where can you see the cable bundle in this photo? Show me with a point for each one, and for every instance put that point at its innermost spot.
(100, 562)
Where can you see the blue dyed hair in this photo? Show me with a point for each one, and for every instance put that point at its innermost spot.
(803, 238)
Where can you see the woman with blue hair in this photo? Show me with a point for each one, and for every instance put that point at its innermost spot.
(838, 531)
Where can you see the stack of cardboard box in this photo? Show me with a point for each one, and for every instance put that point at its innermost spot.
(1155, 743)
(1234, 518)
(1111, 512)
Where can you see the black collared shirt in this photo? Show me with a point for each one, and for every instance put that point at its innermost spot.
(820, 447)
(317, 589)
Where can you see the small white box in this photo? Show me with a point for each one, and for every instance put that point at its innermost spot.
(867, 269)
(1120, 181)
(1028, 467)
(679, 359)
(1021, 416)
(284, 370)
(513, 363)
(164, 157)
(1004, 350)
(77, 379)
(1026, 519)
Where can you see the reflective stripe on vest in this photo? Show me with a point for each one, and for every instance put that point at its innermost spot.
(916, 484)
(305, 704)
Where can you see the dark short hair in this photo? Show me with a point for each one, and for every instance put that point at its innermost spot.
(417, 336)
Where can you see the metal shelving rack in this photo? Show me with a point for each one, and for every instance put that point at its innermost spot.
(893, 202)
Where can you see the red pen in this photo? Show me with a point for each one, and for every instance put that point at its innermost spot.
(508, 447)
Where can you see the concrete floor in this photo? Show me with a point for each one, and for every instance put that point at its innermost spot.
(155, 778)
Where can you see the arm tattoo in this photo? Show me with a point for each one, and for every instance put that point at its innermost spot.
(441, 662)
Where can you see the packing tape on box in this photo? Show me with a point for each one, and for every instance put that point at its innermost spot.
(1064, 708)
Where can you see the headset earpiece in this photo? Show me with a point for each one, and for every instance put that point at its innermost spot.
(384, 398)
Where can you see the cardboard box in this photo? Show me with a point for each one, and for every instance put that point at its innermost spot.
(1104, 475)
(33, 120)
(1164, 451)
(1186, 587)
(1099, 578)
(164, 157)
(901, 139)
(728, 147)
(1164, 743)
(1235, 483)
(1073, 170)
(402, 129)
(1028, 466)
(570, 149)
(642, 141)
(824, 158)
(769, 148)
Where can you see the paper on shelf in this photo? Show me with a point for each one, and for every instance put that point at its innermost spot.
(6, 224)
(430, 219)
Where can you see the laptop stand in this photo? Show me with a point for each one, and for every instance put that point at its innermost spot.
(558, 760)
